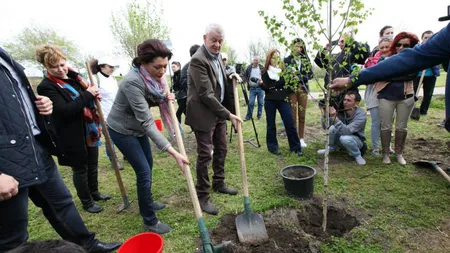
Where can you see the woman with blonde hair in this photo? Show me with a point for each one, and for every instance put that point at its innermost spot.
(76, 121)
(276, 99)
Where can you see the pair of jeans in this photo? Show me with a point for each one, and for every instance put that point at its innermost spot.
(259, 94)
(375, 127)
(351, 143)
(429, 82)
(215, 139)
(55, 200)
(139, 154)
(283, 107)
(299, 102)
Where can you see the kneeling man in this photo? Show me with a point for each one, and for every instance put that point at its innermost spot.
(347, 127)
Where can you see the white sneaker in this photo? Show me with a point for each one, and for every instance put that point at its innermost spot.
(303, 143)
(322, 151)
(360, 160)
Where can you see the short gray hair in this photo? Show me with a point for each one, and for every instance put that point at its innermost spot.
(214, 27)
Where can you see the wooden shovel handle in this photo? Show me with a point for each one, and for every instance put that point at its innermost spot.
(187, 169)
(420, 83)
(240, 140)
(436, 167)
(109, 146)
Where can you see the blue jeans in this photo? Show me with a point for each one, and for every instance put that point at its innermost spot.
(351, 143)
(56, 203)
(375, 127)
(255, 93)
(139, 154)
(283, 107)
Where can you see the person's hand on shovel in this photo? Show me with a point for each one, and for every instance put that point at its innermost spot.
(234, 120)
(181, 159)
(94, 91)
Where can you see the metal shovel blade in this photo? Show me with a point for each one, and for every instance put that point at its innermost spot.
(250, 228)
(123, 206)
(426, 163)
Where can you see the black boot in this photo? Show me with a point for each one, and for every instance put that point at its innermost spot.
(97, 196)
(80, 181)
(93, 182)
(102, 247)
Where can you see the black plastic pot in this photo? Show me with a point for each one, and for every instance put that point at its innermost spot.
(299, 181)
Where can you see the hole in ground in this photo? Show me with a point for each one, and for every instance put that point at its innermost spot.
(291, 230)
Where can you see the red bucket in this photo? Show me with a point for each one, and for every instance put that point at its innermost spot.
(147, 242)
(158, 124)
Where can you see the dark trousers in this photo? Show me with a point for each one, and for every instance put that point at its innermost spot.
(85, 178)
(56, 203)
(139, 154)
(181, 107)
(283, 107)
(428, 85)
(207, 141)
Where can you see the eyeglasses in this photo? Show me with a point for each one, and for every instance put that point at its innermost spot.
(401, 44)
(111, 67)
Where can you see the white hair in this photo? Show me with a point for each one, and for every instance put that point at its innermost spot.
(214, 27)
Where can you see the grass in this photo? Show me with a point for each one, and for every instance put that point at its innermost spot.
(401, 201)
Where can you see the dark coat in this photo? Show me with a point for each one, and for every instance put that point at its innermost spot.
(304, 74)
(68, 118)
(18, 156)
(343, 61)
(203, 101)
(274, 90)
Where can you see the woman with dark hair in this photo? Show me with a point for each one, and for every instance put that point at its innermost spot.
(299, 72)
(77, 123)
(396, 97)
(386, 32)
(131, 123)
(102, 70)
(276, 99)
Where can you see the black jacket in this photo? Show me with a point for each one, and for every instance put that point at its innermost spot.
(178, 88)
(303, 75)
(68, 118)
(18, 156)
(344, 60)
(274, 90)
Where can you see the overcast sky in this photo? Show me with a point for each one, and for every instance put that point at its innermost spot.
(86, 22)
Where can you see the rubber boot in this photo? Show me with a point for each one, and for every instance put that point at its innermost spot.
(385, 145)
(400, 139)
(80, 181)
(93, 184)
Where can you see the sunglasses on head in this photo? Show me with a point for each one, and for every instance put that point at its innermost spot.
(401, 44)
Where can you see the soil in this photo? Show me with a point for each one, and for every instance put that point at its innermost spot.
(292, 230)
(428, 149)
(298, 172)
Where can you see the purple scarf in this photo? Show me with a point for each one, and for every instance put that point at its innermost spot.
(158, 91)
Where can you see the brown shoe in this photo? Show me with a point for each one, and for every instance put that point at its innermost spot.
(225, 190)
(209, 207)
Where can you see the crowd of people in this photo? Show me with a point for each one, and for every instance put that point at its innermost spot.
(62, 119)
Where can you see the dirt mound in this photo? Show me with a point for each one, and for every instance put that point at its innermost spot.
(428, 149)
(291, 230)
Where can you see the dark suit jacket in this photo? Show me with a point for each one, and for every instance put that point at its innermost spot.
(203, 100)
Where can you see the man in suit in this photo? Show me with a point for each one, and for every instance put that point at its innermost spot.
(208, 107)
(27, 170)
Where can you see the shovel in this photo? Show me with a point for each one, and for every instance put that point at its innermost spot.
(416, 111)
(250, 226)
(432, 164)
(204, 235)
(115, 163)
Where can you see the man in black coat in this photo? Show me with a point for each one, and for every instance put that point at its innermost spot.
(27, 169)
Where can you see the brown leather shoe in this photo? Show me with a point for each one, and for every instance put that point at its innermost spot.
(225, 190)
(209, 207)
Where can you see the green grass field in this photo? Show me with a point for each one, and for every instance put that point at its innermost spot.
(408, 206)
